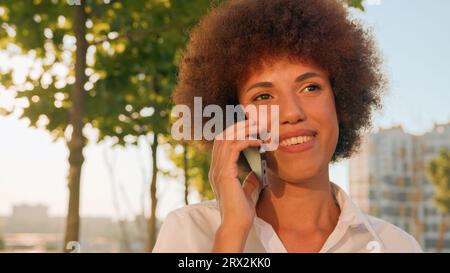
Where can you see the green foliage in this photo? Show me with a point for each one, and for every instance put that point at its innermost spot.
(356, 4)
(132, 61)
(139, 70)
(199, 158)
(438, 171)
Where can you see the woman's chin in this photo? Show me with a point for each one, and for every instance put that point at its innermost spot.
(297, 175)
(297, 170)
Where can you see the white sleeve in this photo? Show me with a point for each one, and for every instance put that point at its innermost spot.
(182, 232)
(170, 238)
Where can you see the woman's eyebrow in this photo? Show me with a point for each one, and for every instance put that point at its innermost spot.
(300, 78)
(259, 84)
(306, 76)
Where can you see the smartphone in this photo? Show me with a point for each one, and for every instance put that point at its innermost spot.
(258, 164)
(256, 160)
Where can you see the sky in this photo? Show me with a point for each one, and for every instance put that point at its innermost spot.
(413, 36)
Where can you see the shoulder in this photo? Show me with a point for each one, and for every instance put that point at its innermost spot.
(189, 229)
(394, 239)
(203, 210)
(202, 216)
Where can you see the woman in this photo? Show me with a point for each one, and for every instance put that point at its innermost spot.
(323, 71)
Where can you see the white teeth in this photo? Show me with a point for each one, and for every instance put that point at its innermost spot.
(295, 140)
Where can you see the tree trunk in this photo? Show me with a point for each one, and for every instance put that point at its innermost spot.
(186, 177)
(76, 115)
(442, 231)
(152, 219)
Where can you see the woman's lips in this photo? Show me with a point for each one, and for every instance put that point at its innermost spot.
(303, 134)
(296, 148)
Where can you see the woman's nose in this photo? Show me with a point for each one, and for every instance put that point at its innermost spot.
(291, 110)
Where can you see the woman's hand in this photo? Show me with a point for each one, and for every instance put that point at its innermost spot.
(236, 206)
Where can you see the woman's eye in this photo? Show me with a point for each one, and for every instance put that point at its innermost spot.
(262, 97)
(312, 88)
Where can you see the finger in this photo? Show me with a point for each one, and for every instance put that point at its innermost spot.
(240, 146)
(230, 132)
(223, 153)
(250, 131)
(240, 130)
(244, 144)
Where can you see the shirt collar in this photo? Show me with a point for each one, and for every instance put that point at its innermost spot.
(351, 215)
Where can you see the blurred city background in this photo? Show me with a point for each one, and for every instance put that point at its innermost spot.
(85, 148)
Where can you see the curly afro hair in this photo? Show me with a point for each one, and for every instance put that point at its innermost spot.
(240, 36)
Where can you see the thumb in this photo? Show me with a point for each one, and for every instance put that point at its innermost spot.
(251, 185)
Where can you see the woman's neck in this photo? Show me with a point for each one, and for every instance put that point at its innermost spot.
(303, 206)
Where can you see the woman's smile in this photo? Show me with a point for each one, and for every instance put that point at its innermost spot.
(297, 141)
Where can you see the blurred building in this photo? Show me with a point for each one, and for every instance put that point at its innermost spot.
(388, 180)
(29, 228)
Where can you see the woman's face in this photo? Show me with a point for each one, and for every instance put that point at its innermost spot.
(308, 122)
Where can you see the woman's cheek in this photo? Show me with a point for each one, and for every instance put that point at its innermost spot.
(323, 112)
(330, 121)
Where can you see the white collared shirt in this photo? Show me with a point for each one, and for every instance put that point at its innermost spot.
(192, 229)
